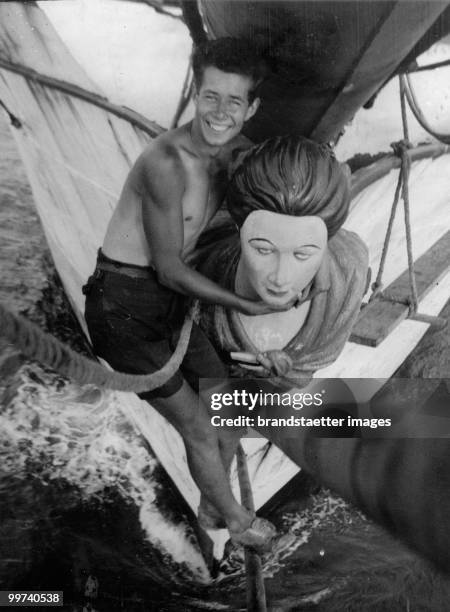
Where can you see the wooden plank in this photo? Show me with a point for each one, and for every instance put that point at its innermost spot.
(381, 316)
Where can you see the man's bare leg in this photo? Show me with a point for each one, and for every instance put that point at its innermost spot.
(188, 414)
(229, 438)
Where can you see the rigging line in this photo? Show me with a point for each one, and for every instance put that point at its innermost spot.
(186, 93)
(158, 7)
(417, 112)
(401, 150)
(15, 121)
(442, 64)
(377, 285)
(48, 350)
(256, 594)
(136, 119)
(406, 164)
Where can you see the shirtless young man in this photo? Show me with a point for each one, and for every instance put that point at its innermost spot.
(135, 302)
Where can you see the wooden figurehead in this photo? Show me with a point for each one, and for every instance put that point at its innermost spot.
(288, 199)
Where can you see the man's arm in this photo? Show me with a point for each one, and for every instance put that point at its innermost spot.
(162, 214)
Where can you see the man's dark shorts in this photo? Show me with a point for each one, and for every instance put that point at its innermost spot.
(134, 323)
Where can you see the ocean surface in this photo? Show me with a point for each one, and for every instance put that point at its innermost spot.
(81, 493)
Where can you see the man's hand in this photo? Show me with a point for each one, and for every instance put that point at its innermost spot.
(254, 308)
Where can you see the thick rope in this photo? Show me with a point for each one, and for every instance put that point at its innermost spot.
(402, 85)
(256, 593)
(48, 350)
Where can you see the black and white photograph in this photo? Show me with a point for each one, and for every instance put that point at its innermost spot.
(224, 305)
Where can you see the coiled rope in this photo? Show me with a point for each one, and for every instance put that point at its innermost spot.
(44, 348)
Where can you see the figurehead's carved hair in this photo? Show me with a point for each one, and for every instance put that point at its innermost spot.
(292, 176)
(234, 55)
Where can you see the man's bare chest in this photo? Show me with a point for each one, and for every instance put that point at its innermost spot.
(203, 194)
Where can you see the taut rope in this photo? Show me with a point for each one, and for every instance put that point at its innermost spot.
(417, 111)
(48, 350)
(256, 593)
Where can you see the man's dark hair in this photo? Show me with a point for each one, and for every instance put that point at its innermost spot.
(290, 175)
(234, 55)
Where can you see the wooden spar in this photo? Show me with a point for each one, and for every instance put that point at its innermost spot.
(370, 174)
(384, 313)
(256, 594)
(433, 66)
(149, 127)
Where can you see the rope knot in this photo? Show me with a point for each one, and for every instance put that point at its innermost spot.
(277, 362)
(377, 288)
(401, 147)
(412, 305)
(15, 121)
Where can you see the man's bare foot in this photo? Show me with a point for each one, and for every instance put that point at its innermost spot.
(208, 516)
(259, 536)
(252, 531)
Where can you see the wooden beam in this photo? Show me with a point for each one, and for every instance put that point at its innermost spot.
(149, 127)
(368, 175)
(379, 317)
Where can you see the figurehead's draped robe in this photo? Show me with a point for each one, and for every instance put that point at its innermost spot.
(335, 294)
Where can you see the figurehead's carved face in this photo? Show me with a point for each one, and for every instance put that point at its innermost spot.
(280, 255)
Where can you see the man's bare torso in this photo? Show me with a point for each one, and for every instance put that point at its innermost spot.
(203, 187)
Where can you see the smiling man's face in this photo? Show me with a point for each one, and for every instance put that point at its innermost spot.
(222, 105)
(280, 254)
